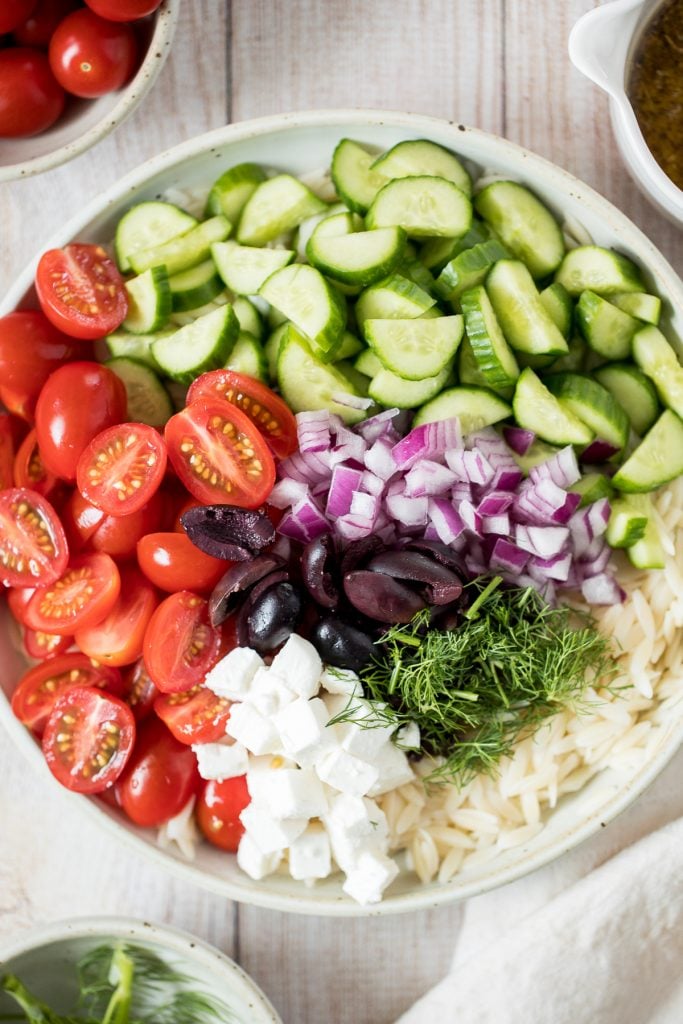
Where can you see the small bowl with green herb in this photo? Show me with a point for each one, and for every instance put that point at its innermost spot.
(120, 971)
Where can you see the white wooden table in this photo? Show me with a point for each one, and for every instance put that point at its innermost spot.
(500, 65)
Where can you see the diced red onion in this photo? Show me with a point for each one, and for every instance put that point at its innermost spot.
(461, 491)
(427, 441)
(598, 451)
(562, 468)
(471, 466)
(287, 492)
(305, 522)
(581, 533)
(313, 431)
(499, 524)
(445, 520)
(351, 527)
(598, 513)
(379, 460)
(495, 503)
(597, 563)
(349, 445)
(351, 401)
(544, 501)
(408, 511)
(470, 516)
(555, 568)
(518, 439)
(344, 482)
(591, 551)
(542, 541)
(602, 589)
(377, 426)
(428, 477)
(397, 486)
(506, 477)
(507, 556)
(371, 483)
(365, 505)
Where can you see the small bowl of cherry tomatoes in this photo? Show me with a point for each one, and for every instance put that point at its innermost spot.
(71, 71)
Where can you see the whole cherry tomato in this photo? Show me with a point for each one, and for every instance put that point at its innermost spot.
(31, 98)
(160, 777)
(31, 348)
(91, 56)
(37, 29)
(13, 12)
(123, 10)
(218, 811)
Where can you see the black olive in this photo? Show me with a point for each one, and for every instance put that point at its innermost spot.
(381, 597)
(341, 644)
(273, 617)
(233, 585)
(317, 564)
(225, 531)
(441, 585)
(358, 551)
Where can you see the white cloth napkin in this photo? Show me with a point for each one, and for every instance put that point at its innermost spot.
(595, 938)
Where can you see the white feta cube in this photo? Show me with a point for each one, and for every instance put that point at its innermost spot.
(408, 736)
(269, 833)
(180, 831)
(268, 692)
(309, 855)
(393, 769)
(255, 863)
(299, 665)
(260, 772)
(336, 703)
(347, 773)
(355, 825)
(231, 677)
(373, 873)
(221, 760)
(252, 729)
(288, 792)
(302, 726)
(341, 680)
(363, 740)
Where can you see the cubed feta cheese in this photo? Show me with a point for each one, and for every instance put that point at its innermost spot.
(302, 726)
(253, 730)
(260, 772)
(361, 740)
(221, 760)
(355, 825)
(180, 831)
(299, 665)
(231, 677)
(393, 768)
(268, 692)
(255, 863)
(288, 792)
(373, 873)
(336, 703)
(346, 773)
(341, 680)
(269, 833)
(408, 736)
(309, 855)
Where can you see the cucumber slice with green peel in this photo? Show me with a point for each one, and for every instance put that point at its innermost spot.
(394, 298)
(592, 404)
(368, 363)
(640, 305)
(468, 369)
(476, 408)
(248, 357)
(388, 389)
(415, 349)
(417, 272)
(540, 362)
(539, 452)
(559, 307)
(521, 314)
(537, 409)
(342, 223)
(355, 181)
(148, 400)
(648, 553)
(423, 206)
(244, 268)
(606, 328)
(359, 381)
(634, 392)
(147, 224)
(303, 295)
(276, 206)
(121, 344)
(590, 267)
(435, 253)
(349, 347)
(494, 358)
(204, 344)
(592, 487)
(181, 318)
(308, 384)
(468, 269)
(575, 359)
(193, 288)
(361, 258)
(627, 522)
(149, 301)
(657, 459)
(272, 349)
(186, 251)
(248, 316)
(523, 224)
(421, 157)
(658, 361)
(229, 194)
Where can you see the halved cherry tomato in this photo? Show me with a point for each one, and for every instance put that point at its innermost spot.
(264, 408)
(13, 12)
(218, 811)
(80, 519)
(160, 777)
(122, 468)
(118, 535)
(77, 402)
(39, 688)
(31, 98)
(81, 291)
(219, 454)
(38, 27)
(6, 452)
(117, 638)
(140, 692)
(18, 404)
(180, 644)
(82, 596)
(91, 56)
(31, 348)
(33, 548)
(42, 646)
(18, 599)
(123, 10)
(172, 562)
(88, 739)
(29, 470)
(196, 716)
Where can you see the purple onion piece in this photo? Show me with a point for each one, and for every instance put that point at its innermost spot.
(225, 531)
(234, 583)
(519, 439)
(317, 565)
(381, 597)
(598, 451)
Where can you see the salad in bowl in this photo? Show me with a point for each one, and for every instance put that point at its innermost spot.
(340, 513)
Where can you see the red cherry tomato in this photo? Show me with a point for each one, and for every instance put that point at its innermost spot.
(42, 646)
(31, 348)
(6, 451)
(38, 27)
(140, 691)
(33, 548)
(160, 777)
(219, 454)
(122, 468)
(88, 739)
(172, 562)
(117, 638)
(13, 12)
(118, 535)
(218, 811)
(180, 644)
(17, 599)
(39, 688)
(81, 291)
(31, 98)
(82, 596)
(269, 413)
(123, 10)
(91, 56)
(77, 402)
(17, 404)
(80, 519)
(196, 716)
(29, 470)
(176, 526)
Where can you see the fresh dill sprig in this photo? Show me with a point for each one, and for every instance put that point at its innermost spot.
(510, 664)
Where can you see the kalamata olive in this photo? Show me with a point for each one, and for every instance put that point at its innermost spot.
(441, 586)
(358, 551)
(235, 582)
(381, 597)
(441, 552)
(225, 531)
(317, 564)
(273, 617)
(341, 644)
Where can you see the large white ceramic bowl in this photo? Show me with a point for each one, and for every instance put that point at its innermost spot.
(45, 959)
(300, 143)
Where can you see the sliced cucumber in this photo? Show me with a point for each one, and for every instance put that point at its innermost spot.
(598, 270)
(521, 314)
(417, 272)
(536, 409)
(394, 298)
(229, 194)
(469, 372)
(193, 288)
(476, 408)
(149, 301)
(423, 206)
(658, 361)
(349, 347)
(492, 354)
(657, 459)
(437, 252)
(361, 258)
(368, 363)
(592, 404)
(559, 307)
(307, 383)
(148, 400)
(523, 224)
(244, 268)
(276, 206)
(421, 157)
(359, 381)
(468, 269)
(148, 224)
(356, 183)
(186, 251)
(272, 349)
(606, 328)
(648, 553)
(341, 223)
(575, 359)
(248, 357)
(538, 452)
(121, 344)
(303, 295)
(205, 344)
(248, 316)
(634, 392)
(627, 521)
(390, 390)
(415, 349)
(592, 487)
(640, 305)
